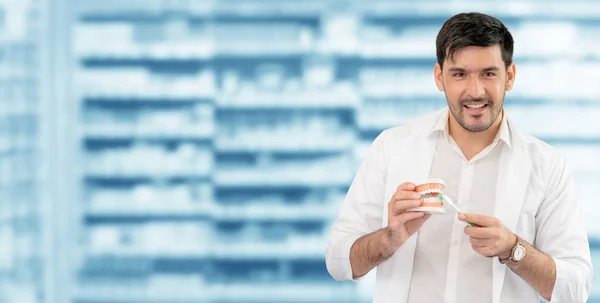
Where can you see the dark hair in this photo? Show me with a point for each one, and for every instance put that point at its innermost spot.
(473, 29)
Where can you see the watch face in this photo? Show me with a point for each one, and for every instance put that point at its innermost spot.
(519, 253)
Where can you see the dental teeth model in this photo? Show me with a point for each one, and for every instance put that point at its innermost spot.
(430, 201)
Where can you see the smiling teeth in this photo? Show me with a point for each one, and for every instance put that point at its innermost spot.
(476, 106)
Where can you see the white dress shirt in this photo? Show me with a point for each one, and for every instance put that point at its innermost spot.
(534, 196)
(446, 267)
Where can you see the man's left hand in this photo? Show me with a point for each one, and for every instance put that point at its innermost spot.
(488, 237)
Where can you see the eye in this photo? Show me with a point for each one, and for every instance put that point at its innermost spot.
(489, 74)
(458, 74)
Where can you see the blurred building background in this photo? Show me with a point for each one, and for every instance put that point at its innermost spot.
(198, 150)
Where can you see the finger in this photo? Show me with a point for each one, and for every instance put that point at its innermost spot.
(425, 217)
(420, 221)
(401, 206)
(480, 232)
(483, 251)
(406, 195)
(409, 216)
(478, 242)
(408, 186)
(415, 224)
(480, 220)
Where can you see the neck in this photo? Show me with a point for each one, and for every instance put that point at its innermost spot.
(471, 143)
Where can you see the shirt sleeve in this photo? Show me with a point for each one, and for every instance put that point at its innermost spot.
(361, 212)
(561, 234)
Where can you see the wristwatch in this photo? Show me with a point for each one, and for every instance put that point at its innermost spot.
(517, 253)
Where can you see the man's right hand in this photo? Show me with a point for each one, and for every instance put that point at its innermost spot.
(402, 224)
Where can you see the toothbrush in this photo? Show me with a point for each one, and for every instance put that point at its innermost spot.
(447, 199)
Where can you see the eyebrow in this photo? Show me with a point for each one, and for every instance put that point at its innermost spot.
(462, 70)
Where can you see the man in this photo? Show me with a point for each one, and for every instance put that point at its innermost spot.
(528, 241)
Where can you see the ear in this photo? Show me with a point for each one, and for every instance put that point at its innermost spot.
(511, 73)
(438, 77)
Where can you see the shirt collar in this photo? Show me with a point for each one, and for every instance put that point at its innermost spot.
(442, 126)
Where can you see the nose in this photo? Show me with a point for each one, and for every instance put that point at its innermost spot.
(475, 87)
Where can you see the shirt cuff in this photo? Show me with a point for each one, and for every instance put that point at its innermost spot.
(339, 267)
(570, 285)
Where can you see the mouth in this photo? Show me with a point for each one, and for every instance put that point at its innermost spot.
(475, 109)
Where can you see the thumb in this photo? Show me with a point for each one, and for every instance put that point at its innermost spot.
(409, 216)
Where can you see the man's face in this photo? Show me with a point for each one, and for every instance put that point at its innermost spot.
(474, 84)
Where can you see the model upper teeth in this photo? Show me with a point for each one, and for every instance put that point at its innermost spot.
(431, 190)
(476, 105)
